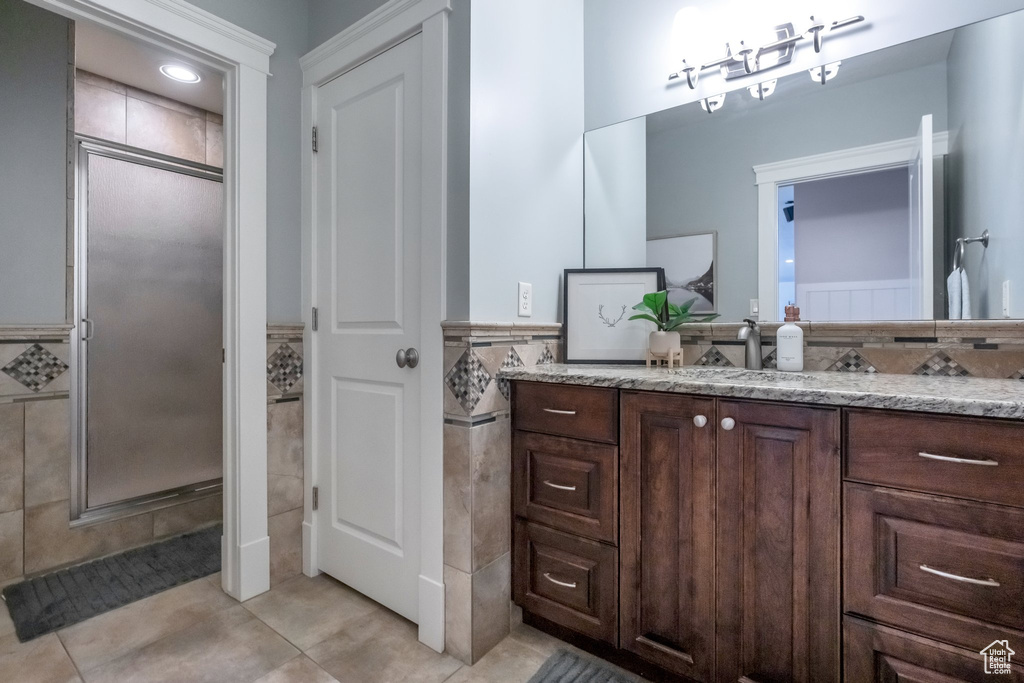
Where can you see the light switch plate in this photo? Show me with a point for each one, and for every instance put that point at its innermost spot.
(525, 301)
(755, 307)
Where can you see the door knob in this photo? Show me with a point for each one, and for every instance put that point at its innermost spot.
(699, 420)
(409, 357)
(728, 424)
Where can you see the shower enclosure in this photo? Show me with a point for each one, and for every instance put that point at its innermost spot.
(148, 358)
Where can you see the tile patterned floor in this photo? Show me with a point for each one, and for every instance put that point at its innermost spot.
(303, 631)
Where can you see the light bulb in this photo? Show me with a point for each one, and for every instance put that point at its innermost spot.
(760, 91)
(180, 73)
(690, 37)
(712, 104)
(823, 74)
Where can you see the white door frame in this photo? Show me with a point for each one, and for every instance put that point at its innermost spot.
(244, 59)
(385, 27)
(769, 177)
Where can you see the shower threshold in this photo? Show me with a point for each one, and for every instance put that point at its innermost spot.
(149, 503)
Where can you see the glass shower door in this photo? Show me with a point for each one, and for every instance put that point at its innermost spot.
(151, 299)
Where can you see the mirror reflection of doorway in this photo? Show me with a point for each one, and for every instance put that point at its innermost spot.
(846, 247)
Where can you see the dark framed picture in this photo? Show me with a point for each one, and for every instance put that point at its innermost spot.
(689, 263)
(597, 304)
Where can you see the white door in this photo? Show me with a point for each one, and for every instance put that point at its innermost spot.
(921, 230)
(367, 292)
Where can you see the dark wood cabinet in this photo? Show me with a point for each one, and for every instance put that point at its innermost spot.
(667, 539)
(778, 543)
(702, 539)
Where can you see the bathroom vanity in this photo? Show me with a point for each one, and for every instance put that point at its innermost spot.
(732, 525)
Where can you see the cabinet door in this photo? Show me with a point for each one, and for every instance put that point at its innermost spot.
(778, 543)
(667, 532)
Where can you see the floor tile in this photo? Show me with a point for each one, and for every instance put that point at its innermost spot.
(111, 635)
(511, 661)
(382, 647)
(232, 646)
(6, 625)
(42, 660)
(307, 610)
(302, 669)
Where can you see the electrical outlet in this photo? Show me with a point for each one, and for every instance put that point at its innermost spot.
(525, 302)
(755, 307)
(1006, 298)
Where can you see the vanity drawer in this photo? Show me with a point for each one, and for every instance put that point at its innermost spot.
(568, 484)
(569, 580)
(970, 458)
(949, 569)
(589, 413)
(876, 653)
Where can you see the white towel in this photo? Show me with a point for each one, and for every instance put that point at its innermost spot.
(954, 289)
(959, 290)
(965, 294)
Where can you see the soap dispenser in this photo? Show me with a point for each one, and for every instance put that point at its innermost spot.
(790, 342)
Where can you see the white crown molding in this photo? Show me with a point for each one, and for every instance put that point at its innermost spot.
(846, 160)
(395, 20)
(174, 20)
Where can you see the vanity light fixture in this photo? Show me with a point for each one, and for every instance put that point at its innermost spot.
(746, 57)
(824, 74)
(179, 73)
(712, 104)
(760, 91)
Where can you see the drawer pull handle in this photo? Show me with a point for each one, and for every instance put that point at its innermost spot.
(962, 461)
(560, 487)
(559, 412)
(957, 577)
(559, 583)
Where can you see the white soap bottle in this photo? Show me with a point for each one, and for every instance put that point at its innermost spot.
(789, 349)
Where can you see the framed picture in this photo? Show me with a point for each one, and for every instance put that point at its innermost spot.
(689, 263)
(597, 304)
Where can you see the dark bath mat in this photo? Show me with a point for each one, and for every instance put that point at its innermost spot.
(54, 601)
(566, 667)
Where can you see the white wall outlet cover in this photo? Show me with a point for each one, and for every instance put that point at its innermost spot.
(524, 302)
(755, 307)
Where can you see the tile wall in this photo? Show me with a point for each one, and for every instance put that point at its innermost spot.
(477, 471)
(35, 462)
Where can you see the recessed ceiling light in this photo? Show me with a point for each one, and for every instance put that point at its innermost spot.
(180, 73)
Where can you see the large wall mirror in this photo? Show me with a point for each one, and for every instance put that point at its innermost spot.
(863, 197)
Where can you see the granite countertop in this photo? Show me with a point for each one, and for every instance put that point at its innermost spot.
(1002, 398)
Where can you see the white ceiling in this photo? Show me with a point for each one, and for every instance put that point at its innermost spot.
(137, 64)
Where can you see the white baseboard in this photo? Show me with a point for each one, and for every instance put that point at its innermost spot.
(310, 561)
(254, 570)
(431, 613)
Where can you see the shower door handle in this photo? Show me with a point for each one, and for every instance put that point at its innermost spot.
(88, 324)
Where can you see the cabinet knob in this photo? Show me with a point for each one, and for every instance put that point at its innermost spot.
(728, 423)
(699, 420)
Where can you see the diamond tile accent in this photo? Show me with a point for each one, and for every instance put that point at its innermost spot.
(512, 360)
(546, 358)
(284, 368)
(714, 358)
(852, 361)
(771, 361)
(941, 365)
(468, 379)
(35, 367)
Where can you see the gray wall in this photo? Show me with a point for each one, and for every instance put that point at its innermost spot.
(33, 163)
(327, 18)
(853, 228)
(986, 164)
(615, 196)
(700, 177)
(459, 124)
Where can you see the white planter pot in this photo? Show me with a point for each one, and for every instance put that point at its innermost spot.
(661, 342)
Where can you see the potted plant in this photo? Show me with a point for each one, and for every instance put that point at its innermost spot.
(669, 317)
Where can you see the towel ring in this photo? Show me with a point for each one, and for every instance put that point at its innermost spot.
(961, 247)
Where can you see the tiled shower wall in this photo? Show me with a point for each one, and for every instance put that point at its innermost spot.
(477, 471)
(35, 462)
